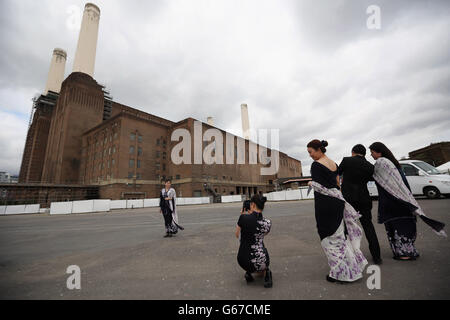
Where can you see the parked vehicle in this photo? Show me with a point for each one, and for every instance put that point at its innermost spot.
(423, 178)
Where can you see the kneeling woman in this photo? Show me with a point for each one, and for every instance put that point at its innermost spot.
(333, 216)
(253, 256)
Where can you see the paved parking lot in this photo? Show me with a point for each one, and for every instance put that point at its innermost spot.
(123, 255)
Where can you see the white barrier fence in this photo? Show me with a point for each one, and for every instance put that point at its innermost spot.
(106, 205)
(97, 205)
(19, 209)
(232, 198)
(298, 194)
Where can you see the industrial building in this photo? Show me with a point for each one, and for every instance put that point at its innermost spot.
(79, 136)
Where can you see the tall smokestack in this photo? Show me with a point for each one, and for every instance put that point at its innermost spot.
(210, 121)
(56, 72)
(87, 40)
(245, 122)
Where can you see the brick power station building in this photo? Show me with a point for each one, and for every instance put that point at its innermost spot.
(80, 138)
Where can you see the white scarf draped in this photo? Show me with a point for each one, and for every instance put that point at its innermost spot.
(173, 206)
(387, 176)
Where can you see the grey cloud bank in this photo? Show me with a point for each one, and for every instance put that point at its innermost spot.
(311, 69)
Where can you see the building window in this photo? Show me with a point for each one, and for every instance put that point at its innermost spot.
(115, 135)
(138, 176)
(157, 154)
(131, 149)
(157, 165)
(178, 177)
(157, 142)
(139, 163)
(139, 151)
(132, 136)
(113, 162)
(109, 150)
(139, 138)
(164, 155)
(131, 163)
(130, 175)
(114, 149)
(164, 166)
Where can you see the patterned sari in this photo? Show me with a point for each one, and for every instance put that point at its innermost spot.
(345, 258)
(169, 210)
(398, 210)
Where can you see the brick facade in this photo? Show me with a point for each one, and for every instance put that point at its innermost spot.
(128, 154)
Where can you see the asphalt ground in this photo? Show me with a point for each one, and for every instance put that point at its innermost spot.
(123, 255)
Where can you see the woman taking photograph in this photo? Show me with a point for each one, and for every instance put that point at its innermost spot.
(333, 216)
(397, 208)
(252, 227)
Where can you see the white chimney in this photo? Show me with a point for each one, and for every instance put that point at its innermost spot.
(56, 72)
(210, 121)
(245, 122)
(87, 40)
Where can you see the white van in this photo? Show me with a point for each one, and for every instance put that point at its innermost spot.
(423, 178)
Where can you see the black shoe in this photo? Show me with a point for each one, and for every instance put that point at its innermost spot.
(170, 235)
(268, 279)
(330, 279)
(249, 277)
(378, 261)
(167, 235)
(407, 258)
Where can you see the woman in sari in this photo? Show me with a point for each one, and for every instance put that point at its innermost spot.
(397, 208)
(168, 207)
(334, 216)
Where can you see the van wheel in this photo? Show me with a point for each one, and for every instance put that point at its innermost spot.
(431, 192)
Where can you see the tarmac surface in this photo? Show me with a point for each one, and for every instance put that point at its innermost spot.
(123, 255)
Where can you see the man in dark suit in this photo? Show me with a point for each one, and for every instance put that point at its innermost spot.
(356, 171)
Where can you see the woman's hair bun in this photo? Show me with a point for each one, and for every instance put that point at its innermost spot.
(259, 200)
(324, 143)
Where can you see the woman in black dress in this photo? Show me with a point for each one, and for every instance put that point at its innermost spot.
(397, 208)
(252, 227)
(336, 219)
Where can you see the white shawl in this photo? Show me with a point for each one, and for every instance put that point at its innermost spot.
(387, 176)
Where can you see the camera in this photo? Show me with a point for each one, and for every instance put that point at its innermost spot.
(246, 205)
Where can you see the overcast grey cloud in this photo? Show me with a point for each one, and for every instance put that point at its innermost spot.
(310, 68)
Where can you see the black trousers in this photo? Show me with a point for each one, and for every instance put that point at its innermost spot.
(369, 231)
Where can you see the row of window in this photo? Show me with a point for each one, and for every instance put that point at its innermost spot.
(133, 137)
(139, 176)
(131, 163)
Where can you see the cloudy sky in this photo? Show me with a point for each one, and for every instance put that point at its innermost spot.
(312, 69)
